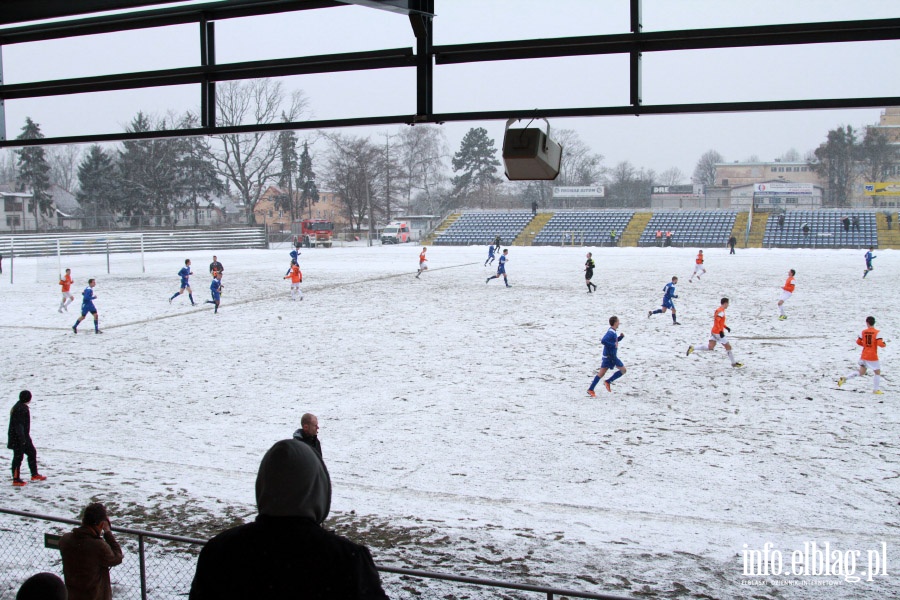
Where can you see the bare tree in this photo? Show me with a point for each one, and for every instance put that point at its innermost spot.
(64, 161)
(355, 174)
(8, 171)
(835, 161)
(580, 165)
(672, 176)
(423, 154)
(878, 155)
(249, 161)
(705, 171)
(790, 156)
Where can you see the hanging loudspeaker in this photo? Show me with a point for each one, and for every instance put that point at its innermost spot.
(529, 153)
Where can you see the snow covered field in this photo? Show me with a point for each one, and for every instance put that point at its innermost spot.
(458, 409)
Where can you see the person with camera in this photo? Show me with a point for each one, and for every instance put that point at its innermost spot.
(88, 552)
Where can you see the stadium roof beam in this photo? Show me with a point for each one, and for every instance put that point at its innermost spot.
(420, 13)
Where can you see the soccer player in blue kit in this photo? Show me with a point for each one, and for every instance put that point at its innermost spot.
(667, 304)
(215, 288)
(869, 257)
(184, 273)
(87, 306)
(501, 269)
(611, 360)
(490, 258)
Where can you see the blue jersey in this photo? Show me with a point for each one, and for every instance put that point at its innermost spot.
(869, 257)
(87, 296)
(491, 251)
(501, 268)
(215, 289)
(668, 295)
(185, 273)
(294, 255)
(610, 343)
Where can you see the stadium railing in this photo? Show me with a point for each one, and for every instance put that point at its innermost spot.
(159, 565)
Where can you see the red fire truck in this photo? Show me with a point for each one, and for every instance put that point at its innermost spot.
(313, 232)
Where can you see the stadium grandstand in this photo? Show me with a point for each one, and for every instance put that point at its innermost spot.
(483, 228)
(826, 229)
(690, 228)
(589, 228)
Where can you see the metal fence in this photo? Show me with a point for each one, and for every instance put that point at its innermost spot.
(159, 566)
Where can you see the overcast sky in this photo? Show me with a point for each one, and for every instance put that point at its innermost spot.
(655, 142)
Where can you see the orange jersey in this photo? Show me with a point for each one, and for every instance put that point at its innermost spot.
(789, 285)
(719, 320)
(422, 258)
(700, 259)
(66, 282)
(870, 340)
(295, 275)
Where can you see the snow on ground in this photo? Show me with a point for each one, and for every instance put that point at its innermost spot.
(457, 409)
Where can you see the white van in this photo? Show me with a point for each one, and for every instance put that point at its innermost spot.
(396, 232)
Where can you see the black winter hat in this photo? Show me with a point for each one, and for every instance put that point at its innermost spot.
(24, 396)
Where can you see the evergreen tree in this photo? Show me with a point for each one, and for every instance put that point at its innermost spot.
(34, 171)
(197, 175)
(306, 182)
(287, 150)
(149, 174)
(97, 187)
(477, 163)
(834, 163)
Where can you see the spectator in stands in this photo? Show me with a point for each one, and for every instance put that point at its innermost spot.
(805, 228)
(285, 552)
(19, 439)
(856, 222)
(845, 222)
(309, 432)
(781, 221)
(612, 237)
(43, 586)
(534, 208)
(88, 552)
(731, 242)
(668, 238)
(888, 216)
(659, 238)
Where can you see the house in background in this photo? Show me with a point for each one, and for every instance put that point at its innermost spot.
(267, 213)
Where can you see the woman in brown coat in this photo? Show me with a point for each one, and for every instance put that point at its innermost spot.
(87, 554)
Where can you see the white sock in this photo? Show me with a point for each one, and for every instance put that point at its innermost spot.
(853, 374)
(877, 384)
(781, 309)
(730, 356)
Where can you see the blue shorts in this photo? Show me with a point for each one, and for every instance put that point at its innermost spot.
(88, 308)
(667, 303)
(185, 284)
(216, 296)
(611, 363)
(501, 271)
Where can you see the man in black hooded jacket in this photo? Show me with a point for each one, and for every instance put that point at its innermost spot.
(285, 553)
(19, 439)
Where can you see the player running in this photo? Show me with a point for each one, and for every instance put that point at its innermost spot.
(668, 295)
(215, 289)
(698, 268)
(501, 268)
(869, 258)
(296, 278)
(67, 297)
(717, 336)
(185, 273)
(490, 258)
(786, 292)
(610, 360)
(422, 261)
(87, 306)
(216, 267)
(870, 340)
(589, 273)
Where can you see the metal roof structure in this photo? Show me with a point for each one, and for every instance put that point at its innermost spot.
(67, 20)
